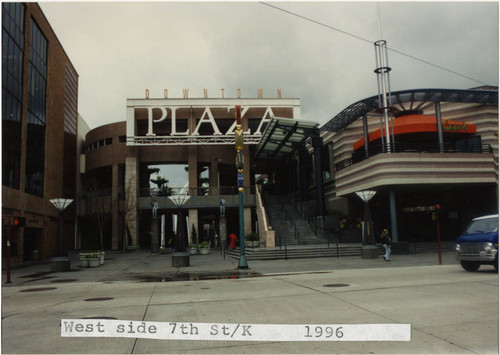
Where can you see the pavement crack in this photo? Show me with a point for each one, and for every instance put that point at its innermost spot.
(144, 315)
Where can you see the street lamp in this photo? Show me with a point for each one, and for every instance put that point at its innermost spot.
(61, 261)
(239, 165)
(367, 196)
(180, 257)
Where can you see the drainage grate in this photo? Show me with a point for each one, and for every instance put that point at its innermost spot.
(64, 280)
(97, 299)
(38, 274)
(336, 285)
(40, 279)
(39, 289)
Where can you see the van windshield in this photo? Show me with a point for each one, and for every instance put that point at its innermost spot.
(488, 225)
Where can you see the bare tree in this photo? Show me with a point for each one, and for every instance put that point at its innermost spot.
(98, 203)
(128, 212)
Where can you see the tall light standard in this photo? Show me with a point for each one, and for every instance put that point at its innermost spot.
(366, 196)
(239, 165)
(180, 257)
(61, 262)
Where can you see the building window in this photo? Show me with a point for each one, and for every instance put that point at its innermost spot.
(70, 129)
(35, 146)
(12, 91)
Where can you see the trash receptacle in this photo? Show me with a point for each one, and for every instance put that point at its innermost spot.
(34, 255)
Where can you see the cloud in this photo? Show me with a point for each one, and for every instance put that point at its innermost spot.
(122, 48)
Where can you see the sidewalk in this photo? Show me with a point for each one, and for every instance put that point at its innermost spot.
(142, 265)
(449, 310)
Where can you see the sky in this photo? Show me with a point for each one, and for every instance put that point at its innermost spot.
(320, 52)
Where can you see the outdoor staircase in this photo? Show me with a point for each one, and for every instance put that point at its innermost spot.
(300, 252)
(288, 224)
(326, 251)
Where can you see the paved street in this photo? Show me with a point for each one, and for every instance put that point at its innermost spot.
(450, 310)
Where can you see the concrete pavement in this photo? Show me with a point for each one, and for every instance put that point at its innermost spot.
(450, 310)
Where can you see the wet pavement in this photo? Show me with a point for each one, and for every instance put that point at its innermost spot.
(449, 310)
(144, 266)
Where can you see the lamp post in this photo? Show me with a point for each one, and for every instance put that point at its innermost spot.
(367, 196)
(239, 165)
(61, 262)
(180, 257)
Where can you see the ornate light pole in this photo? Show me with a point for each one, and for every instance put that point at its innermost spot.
(239, 165)
(180, 257)
(366, 197)
(61, 262)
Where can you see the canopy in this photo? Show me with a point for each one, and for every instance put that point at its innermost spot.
(282, 136)
(417, 100)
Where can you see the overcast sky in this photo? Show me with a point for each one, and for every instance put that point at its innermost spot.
(119, 49)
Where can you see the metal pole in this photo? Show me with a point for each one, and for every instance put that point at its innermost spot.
(394, 219)
(243, 262)
(439, 127)
(239, 165)
(439, 243)
(8, 250)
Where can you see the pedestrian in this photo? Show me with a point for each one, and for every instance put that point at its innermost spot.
(386, 243)
(232, 241)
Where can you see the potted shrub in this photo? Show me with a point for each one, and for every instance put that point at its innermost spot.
(204, 248)
(94, 259)
(193, 249)
(252, 240)
(84, 261)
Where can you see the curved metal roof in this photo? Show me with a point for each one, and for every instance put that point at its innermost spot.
(419, 99)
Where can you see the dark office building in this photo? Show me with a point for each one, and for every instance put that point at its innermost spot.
(39, 131)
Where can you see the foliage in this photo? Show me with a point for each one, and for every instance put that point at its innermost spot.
(204, 245)
(252, 237)
(194, 235)
(92, 254)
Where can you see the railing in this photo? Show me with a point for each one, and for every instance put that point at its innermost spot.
(416, 148)
(282, 241)
(194, 191)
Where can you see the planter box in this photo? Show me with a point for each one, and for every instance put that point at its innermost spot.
(60, 264)
(204, 251)
(84, 262)
(94, 262)
(193, 250)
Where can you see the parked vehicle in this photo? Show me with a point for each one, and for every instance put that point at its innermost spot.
(478, 245)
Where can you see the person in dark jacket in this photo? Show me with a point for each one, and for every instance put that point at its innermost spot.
(386, 243)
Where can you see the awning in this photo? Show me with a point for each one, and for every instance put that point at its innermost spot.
(282, 137)
(418, 124)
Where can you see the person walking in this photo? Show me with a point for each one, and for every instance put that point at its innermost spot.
(386, 243)
(232, 241)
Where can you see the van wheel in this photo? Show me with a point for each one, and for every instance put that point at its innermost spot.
(470, 265)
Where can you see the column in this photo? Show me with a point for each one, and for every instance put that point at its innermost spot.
(394, 221)
(115, 237)
(365, 135)
(193, 170)
(439, 127)
(131, 184)
(317, 143)
(214, 177)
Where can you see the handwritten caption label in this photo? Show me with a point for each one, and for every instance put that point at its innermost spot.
(234, 331)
